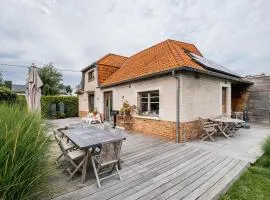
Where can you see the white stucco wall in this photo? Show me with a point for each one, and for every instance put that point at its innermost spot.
(129, 92)
(202, 97)
(198, 96)
(91, 87)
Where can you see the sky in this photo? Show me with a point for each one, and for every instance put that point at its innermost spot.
(73, 34)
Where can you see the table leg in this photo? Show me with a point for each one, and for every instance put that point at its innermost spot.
(222, 130)
(84, 170)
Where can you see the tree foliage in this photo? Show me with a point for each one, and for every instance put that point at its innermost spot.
(68, 88)
(7, 95)
(51, 78)
(2, 82)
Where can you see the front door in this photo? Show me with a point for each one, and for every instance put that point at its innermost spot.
(224, 100)
(108, 105)
(91, 102)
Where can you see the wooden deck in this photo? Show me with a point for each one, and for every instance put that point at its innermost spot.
(158, 169)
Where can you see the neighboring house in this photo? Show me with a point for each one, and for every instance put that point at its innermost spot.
(171, 84)
(19, 89)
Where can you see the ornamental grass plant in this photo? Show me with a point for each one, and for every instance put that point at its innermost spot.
(24, 154)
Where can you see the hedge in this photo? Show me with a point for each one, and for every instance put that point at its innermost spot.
(21, 101)
(7, 95)
(70, 106)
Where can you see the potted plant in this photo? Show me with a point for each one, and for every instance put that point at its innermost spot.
(95, 112)
(127, 109)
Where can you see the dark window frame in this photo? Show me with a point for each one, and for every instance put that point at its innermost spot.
(92, 77)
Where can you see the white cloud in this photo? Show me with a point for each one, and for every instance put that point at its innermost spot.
(73, 34)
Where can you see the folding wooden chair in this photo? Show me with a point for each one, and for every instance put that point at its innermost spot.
(108, 156)
(65, 146)
(208, 129)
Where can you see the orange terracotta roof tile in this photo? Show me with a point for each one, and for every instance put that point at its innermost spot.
(163, 56)
(112, 60)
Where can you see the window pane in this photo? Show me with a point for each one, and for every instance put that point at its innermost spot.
(155, 99)
(144, 100)
(144, 107)
(144, 94)
(154, 93)
(154, 108)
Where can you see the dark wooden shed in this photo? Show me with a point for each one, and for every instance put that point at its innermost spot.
(259, 99)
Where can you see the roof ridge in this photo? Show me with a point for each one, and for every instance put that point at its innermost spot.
(180, 42)
(175, 57)
(117, 55)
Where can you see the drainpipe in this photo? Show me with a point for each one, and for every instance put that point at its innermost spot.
(177, 104)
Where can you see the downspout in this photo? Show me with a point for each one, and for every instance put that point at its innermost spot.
(177, 105)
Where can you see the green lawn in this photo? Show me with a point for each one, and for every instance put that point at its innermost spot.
(254, 184)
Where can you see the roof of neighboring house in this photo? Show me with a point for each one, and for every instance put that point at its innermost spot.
(164, 56)
(110, 59)
(18, 88)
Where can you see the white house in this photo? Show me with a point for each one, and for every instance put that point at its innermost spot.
(170, 83)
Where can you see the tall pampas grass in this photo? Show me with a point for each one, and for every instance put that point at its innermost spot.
(24, 154)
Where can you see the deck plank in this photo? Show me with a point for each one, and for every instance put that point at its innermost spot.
(160, 169)
(187, 188)
(223, 184)
(201, 189)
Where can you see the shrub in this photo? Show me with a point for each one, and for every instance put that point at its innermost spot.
(7, 95)
(21, 101)
(266, 147)
(24, 155)
(70, 105)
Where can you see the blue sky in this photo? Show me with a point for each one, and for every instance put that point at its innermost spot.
(73, 34)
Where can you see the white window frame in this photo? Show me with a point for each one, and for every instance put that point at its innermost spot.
(148, 112)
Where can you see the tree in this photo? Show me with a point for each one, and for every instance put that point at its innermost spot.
(51, 78)
(2, 81)
(68, 88)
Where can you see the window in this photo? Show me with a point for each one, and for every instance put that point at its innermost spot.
(149, 103)
(90, 75)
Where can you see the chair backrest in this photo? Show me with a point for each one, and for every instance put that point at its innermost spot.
(201, 120)
(107, 127)
(119, 130)
(59, 141)
(109, 153)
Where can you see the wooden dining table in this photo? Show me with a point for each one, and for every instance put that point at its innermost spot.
(225, 123)
(90, 137)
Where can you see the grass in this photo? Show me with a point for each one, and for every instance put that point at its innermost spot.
(254, 184)
(24, 147)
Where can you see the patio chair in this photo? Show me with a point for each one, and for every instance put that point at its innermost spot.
(73, 157)
(107, 158)
(92, 119)
(208, 129)
(64, 145)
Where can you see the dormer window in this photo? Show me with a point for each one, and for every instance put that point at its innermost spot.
(91, 75)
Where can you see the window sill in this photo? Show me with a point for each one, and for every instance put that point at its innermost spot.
(147, 117)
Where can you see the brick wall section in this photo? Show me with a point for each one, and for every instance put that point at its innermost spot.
(166, 129)
(82, 113)
(190, 131)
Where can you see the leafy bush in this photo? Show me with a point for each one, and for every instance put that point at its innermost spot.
(266, 147)
(24, 155)
(21, 101)
(7, 95)
(70, 105)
